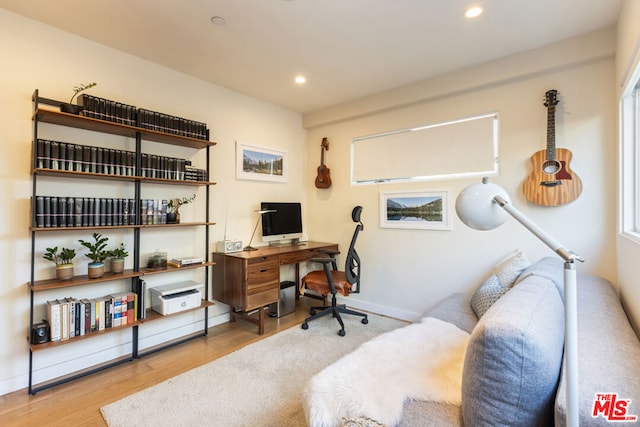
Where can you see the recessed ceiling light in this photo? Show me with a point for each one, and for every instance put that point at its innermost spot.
(218, 20)
(473, 12)
(300, 79)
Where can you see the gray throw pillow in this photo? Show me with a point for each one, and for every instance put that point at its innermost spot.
(513, 360)
(509, 268)
(486, 295)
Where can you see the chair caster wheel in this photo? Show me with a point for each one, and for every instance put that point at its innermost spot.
(305, 326)
(341, 332)
(365, 321)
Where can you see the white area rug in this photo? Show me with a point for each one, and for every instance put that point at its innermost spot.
(422, 361)
(259, 385)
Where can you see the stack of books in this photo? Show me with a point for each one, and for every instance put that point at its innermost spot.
(185, 261)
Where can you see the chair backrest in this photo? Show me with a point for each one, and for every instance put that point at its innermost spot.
(352, 263)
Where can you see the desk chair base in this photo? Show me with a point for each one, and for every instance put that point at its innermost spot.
(334, 309)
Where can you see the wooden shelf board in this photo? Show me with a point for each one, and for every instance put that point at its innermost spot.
(98, 227)
(88, 123)
(151, 271)
(51, 344)
(152, 315)
(131, 178)
(180, 224)
(43, 285)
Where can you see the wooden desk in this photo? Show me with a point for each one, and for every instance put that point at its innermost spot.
(250, 280)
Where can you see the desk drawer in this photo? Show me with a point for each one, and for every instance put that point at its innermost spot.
(262, 298)
(263, 271)
(299, 256)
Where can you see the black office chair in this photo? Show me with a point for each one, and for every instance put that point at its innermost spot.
(331, 281)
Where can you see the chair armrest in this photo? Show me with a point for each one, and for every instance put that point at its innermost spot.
(326, 261)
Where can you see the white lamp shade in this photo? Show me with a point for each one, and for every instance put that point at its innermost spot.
(477, 209)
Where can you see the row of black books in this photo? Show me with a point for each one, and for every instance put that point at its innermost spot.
(117, 112)
(161, 122)
(66, 156)
(105, 109)
(57, 211)
(71, 317)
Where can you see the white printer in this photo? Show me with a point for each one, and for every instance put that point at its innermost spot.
(176, 297)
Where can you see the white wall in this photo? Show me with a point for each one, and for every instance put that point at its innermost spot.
(407, 271)
(37, 56)
(628, 247)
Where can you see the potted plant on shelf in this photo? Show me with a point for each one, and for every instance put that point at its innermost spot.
(173, 208)
(62, 260)
(117, 257)
(70, 107)
(97, 254)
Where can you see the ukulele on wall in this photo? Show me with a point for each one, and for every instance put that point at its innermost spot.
(323, 180)
(552, 182)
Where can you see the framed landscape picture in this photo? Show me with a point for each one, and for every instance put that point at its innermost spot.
(259, 163)
(426, 210)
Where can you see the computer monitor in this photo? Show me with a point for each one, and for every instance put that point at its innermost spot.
(283, 224)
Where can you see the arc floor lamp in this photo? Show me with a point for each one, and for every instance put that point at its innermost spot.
(486, 206)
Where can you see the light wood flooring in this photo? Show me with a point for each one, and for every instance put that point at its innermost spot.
(78, 403)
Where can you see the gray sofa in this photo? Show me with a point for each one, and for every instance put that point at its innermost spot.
(512, 373)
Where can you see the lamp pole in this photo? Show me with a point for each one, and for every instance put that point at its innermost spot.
(476, 207)
(260, 212)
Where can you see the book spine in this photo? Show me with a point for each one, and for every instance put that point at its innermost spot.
(55, 320)
(72, 317)
(64, 320)
(39, 211)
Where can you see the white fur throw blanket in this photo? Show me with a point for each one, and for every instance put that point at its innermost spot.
(421, 361)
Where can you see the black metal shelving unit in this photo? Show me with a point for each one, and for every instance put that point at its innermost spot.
(43, 114)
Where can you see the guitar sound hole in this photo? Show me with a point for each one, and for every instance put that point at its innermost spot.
(551, 166)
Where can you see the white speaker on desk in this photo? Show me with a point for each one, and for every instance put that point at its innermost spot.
(228, 246)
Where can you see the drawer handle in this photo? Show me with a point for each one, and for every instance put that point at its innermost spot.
(263, 270)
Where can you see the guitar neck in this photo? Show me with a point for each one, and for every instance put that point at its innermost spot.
(551, 132)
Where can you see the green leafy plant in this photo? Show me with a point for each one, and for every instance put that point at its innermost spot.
(118, 252)
(97, 252)
(173, 205)
(78, 89)
(65, 256)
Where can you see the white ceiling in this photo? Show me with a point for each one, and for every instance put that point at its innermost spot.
(347, 49)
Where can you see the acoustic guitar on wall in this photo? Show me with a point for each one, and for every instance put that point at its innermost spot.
(323, 180)
(552, 182)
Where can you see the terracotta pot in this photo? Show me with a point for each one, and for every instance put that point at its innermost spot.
(117, 265)
(95, 270)
(64, 271)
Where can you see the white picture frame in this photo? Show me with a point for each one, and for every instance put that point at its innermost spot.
(420, 210)
(260, 163)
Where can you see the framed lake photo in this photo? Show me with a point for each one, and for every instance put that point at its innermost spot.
(415, 210)
(260, 163)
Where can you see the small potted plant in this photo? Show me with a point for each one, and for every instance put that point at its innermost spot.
(173, 208)
(70, 107)
(62, 260)
(97, 254)
(117, 257)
